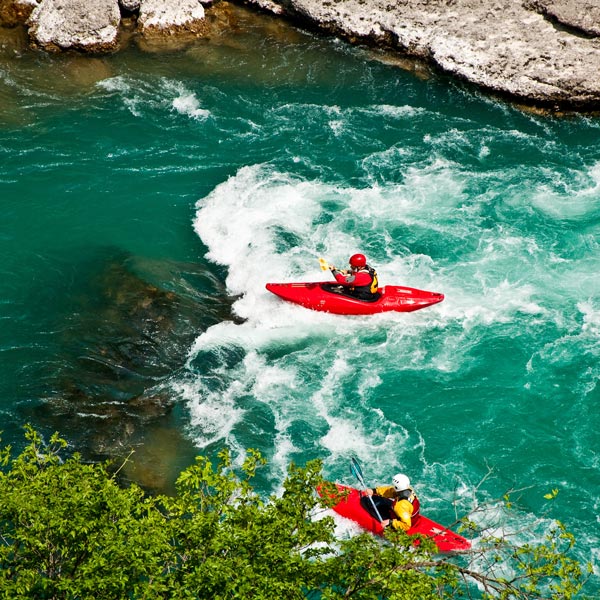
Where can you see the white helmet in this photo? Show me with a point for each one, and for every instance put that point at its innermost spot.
(401, 482)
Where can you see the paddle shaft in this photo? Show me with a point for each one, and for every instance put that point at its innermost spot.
(357, 472)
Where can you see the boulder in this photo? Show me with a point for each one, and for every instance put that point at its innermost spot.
(132, 6)
(168, 25)
(166, 17)
(88, 25)
(510, 47)
(15, 12)
(270, 6)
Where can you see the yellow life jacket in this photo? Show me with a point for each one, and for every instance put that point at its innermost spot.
(375, 282)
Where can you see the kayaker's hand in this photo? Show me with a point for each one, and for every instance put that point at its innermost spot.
(387, 523)
(331, 268)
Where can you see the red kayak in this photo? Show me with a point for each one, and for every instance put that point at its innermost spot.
(330, 297)
(445, 539)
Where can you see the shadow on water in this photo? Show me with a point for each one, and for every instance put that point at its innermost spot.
(126, 328)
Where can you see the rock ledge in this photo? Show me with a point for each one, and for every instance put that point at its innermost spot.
(544, 52)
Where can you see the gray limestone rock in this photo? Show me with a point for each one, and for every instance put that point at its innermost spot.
(169, 25)
(90, 25)
(506, 46)
(582, 15)
(130, 5)
(170, 16)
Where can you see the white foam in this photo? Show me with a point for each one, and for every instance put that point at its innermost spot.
(140, 95)
(188, 104)
(115, 84)
(397, 112)
(213, 414)
(264, 225)
(133, 96)
(591, 319)
(347, 432)
(571, 197)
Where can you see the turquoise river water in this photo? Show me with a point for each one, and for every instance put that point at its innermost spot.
(246, 159)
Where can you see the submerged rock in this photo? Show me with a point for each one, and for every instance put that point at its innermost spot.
(90, 25)
(13, 41)
(129, 330)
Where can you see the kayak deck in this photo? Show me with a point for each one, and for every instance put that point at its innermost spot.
(327, 297)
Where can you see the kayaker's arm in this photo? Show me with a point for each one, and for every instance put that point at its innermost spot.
(403, 510)
(343, 277)
(387, 491)
(396, 524)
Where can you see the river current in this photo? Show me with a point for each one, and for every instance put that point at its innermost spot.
(244, 160)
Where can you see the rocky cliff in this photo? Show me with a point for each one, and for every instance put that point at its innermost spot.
(544, 52)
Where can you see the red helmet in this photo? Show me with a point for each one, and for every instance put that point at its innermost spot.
(358, 260)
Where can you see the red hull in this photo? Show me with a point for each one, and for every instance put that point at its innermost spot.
(315, 297)
(445, 539)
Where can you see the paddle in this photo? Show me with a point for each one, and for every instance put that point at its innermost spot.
(357, 472)
(324, 264)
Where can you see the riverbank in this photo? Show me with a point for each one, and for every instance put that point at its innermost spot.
(536, 52)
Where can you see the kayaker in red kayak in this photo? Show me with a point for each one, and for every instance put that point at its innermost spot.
(397, 504)
(360, 280)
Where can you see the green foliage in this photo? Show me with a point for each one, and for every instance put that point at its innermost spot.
(68, 530)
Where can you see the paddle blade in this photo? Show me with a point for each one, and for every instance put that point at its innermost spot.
(357, 471)
(324, 264)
